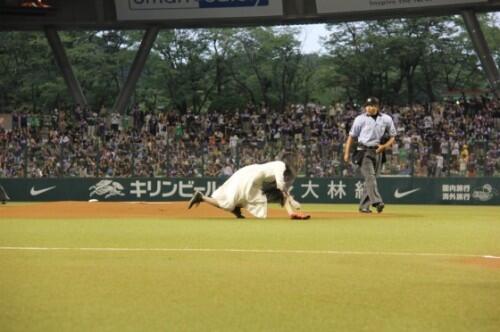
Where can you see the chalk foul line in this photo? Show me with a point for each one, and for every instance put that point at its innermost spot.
(256, 251)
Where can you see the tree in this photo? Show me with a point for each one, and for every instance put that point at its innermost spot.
(419, 58)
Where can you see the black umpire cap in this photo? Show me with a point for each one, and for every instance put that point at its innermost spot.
(372, 101)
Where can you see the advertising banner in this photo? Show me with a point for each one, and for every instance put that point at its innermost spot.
(145, 10)
(345, 6)
(468, 191)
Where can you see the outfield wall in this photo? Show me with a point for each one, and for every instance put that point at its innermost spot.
(410, 190)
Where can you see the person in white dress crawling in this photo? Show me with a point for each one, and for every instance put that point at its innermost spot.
(254, 186)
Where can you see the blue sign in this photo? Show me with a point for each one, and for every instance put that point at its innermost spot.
(232, 3)
(160, 10)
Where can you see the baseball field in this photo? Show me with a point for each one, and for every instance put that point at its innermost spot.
(79, 266)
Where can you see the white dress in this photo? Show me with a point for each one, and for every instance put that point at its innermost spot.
(244, 188)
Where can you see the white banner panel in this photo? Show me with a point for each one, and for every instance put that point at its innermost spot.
(343, 6)
(145, 10)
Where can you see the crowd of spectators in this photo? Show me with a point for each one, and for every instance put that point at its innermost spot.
(450, 138)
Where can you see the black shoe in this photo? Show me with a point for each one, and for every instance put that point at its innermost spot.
(237, 213)
(3, 202)
(196, 199)
(380, 207)
(365, 210)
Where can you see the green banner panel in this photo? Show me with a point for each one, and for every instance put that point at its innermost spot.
(473, 191)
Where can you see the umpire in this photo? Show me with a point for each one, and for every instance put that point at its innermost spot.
(369, 129)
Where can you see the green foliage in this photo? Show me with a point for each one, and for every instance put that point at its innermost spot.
(401, 60)
(490, 24)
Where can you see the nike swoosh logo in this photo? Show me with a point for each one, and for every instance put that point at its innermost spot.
(397, 194)
(35, 192)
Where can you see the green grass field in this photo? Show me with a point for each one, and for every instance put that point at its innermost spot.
(413, 268)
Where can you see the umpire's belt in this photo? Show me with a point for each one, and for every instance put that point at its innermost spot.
(362, 147)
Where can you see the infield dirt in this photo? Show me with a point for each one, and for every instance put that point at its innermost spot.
(68, 210)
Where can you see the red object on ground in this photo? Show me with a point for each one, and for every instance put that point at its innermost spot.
(300, 216)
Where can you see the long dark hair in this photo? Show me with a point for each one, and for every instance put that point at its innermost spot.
(291, 160)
